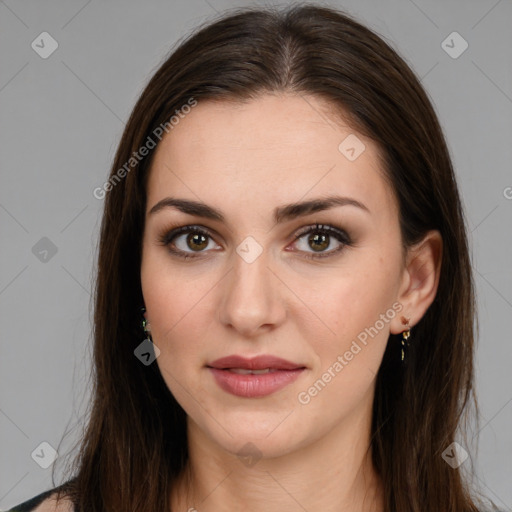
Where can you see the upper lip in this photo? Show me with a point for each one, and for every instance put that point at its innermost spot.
(255, 363)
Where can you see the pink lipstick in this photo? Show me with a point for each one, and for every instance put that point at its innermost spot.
(256, 377)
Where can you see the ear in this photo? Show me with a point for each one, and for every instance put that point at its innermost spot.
(420, 280)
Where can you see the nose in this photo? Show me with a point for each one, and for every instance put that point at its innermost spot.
(252, 297)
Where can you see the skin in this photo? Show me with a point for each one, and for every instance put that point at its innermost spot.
(246, 160)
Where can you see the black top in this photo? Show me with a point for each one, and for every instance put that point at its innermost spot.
(33, 503)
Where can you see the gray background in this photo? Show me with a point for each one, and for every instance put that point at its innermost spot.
(61, 119)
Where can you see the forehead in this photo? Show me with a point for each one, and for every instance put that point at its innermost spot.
(270, 150)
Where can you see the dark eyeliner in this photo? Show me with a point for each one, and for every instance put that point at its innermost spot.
(168, 235)
(338, 233)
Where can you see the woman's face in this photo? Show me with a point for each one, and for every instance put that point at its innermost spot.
(324, 300)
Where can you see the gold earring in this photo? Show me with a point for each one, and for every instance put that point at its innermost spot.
(405, 336)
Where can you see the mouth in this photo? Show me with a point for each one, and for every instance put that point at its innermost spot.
(255, 365)
(245, 371)
(256, 377)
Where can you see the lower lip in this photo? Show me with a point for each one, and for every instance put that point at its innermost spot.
(253, 386)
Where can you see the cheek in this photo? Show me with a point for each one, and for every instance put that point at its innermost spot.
(355, 309)
(177, 316)
(346, 362)
(178, 310)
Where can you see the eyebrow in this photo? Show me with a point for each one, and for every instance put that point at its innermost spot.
(281, 214)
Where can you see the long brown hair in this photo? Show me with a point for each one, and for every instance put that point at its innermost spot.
(135, 443)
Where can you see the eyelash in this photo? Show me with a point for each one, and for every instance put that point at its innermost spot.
(169, 235)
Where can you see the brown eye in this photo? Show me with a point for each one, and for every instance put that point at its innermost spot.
(319, 238)
(197, 241)
(186, 240)
(319, 242)
(313, 241)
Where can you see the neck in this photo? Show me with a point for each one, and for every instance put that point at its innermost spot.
(334, 474)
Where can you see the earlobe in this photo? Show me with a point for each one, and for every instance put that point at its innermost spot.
(421, 279)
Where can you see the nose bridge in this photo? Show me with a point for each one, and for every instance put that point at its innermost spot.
(251, 297)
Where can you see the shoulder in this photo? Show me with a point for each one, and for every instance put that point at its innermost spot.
(50, 504)
(45, 502)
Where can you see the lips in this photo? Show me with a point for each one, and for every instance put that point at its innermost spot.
(256, 377)
(257, 364)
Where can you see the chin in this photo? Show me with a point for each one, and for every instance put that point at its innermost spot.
(268, 434)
